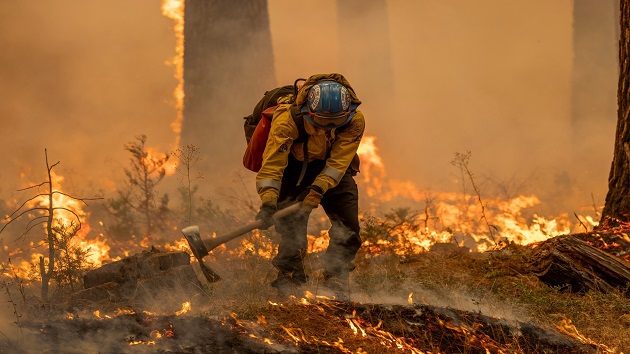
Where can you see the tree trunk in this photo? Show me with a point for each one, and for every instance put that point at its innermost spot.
(617, 206)
(50, 237)
(228, 65)
(567, 261)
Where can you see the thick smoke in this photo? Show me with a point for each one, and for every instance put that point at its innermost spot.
(81, 79)
(494, 78)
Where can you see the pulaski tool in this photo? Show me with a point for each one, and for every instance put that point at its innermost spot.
(202, 247)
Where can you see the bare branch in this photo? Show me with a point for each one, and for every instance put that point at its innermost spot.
(25, 202)
(77, 198)
(18, 216)
(47, 165)
(35, 219)
(70, 211)
(53, 165)
(35, 186)
(29, 229)
(581, 223)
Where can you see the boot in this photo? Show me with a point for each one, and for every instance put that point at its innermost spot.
(287, 284)
(339, 284)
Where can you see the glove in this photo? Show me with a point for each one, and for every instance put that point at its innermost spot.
(266, 215)
(311, 197)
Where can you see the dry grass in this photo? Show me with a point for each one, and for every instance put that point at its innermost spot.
(498, 284)
(495, 284)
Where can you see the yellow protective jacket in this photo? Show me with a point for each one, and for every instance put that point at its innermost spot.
(340, 146)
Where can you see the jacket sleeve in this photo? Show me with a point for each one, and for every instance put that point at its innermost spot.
(276, 155)
(343, 150)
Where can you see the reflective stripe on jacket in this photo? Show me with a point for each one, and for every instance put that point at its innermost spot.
(337, 148)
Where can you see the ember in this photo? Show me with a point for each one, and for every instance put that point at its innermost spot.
(297, 327)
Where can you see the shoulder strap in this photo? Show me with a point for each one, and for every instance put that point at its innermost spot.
(299, 122)
(302, 137)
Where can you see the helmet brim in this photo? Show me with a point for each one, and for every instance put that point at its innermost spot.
(328, 121)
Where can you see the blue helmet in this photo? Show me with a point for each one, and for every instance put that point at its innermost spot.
(328, 105)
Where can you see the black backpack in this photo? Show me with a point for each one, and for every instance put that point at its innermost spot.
(270, 99)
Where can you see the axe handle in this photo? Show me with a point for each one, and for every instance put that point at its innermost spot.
(214, 242)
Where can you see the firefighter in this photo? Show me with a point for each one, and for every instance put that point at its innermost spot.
(316, 171)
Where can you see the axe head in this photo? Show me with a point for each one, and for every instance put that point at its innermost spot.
(191, 233)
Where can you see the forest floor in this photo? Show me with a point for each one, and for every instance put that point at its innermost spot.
(447, 300)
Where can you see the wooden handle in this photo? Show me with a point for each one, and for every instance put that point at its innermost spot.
(214, 242)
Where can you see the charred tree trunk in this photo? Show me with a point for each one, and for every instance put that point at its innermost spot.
(617, 206)
(567, 261)
(47, 273)
(228, 65)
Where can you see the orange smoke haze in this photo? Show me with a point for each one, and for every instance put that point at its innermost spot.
(81, 79)
(495, 78)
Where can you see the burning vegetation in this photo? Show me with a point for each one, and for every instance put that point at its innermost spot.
(438, 280)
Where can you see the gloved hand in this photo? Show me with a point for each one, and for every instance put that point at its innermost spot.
(266, 215)
(311, 197)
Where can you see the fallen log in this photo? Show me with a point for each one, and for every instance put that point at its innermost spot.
(152, 279)
(128, 270)
(617, 244)
(570, 263)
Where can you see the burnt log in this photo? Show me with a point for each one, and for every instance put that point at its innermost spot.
(105, 292)
(152, 276)
(570, 263)
(129, 270)
(616, 243)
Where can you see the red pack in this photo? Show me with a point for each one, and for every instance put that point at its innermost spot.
(252, 159)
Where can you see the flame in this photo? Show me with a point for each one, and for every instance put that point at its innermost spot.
(69, 211)
(357, 325)
(372, 168)
(63, 216)
(185, 308)
(124, 312)
(153, 154)
(354, 324)
(177, 245)
(138, 342)
(450, 217)
(97, 314)
(566, 326)
(174, 9)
